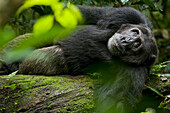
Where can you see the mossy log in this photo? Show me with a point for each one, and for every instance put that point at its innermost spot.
(23, 93)
(28, 93)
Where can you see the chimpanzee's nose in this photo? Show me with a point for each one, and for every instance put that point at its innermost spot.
(132, 38)
(135, 32)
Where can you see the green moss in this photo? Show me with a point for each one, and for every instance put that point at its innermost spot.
(31, 90)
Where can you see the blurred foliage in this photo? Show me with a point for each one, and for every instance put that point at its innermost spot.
(165, 103)
(46, 28)
(68, 16)
(6, 34)
(154, 90)
(161, 68)
(156, 10)
(149, 110)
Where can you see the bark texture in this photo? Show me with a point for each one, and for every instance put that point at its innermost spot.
(60, 94)
(37, 94)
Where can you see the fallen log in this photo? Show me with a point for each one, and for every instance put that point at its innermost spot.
(25, 93)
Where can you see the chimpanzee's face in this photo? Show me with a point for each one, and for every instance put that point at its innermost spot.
(134, 44)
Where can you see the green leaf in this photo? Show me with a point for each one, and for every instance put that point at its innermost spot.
(16, 103)
(165, 103)
(167, 68)
(149, 3)
(13, 86)
(43, 25)
(67, 19)
(31, 3)
(6, 34)
(76, 12)
(154, 90)
(57, 9)
(12, 74)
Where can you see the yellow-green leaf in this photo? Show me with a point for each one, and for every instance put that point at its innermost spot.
(57, 8)
(43, 25)
(31, 3)
(76, 12)
(67, 19)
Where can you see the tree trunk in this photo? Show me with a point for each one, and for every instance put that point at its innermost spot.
(7, 9)
(25, 93)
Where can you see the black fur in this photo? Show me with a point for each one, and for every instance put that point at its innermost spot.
(113, 18)
(90, 46)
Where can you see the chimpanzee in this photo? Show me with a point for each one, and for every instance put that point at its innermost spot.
(118, 42)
